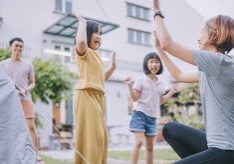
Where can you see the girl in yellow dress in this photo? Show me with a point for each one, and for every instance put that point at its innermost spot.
(89, 103)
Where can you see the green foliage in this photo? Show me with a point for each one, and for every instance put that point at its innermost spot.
(187, 95)
(195, 121)
(190, 94)
(53, 81)
(4, 54)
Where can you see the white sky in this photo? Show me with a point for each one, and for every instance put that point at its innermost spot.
(209, 8)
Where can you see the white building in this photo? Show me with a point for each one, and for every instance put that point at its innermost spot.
(35, 21)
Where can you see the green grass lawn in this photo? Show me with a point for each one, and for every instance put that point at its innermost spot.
(54, 161)
(162, 154)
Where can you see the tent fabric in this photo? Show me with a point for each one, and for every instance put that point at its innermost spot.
(15, 142)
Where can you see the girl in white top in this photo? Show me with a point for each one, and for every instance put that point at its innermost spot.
(149, 92)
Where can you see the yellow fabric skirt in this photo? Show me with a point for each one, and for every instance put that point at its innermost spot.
(91, 130)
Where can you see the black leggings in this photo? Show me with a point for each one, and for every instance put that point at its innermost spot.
(190, 144)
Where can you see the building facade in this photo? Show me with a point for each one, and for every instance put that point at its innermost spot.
(39, 24)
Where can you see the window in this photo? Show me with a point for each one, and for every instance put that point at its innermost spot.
(58, 5)
(137, 11)
(68, 7)
(63, 6)
(139, 37)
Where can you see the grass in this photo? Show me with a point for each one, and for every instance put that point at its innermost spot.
(163, 154)
(49, 160)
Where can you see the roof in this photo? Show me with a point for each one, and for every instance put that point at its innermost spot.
(67, 27)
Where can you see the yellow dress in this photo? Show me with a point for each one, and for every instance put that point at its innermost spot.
(89, 108)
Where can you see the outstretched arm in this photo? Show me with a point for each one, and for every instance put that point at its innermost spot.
(81, 36)
(112, 68)
(178, 75)
(171, 92)
(166, 41)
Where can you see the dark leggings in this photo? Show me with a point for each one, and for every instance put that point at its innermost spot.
(190, 144)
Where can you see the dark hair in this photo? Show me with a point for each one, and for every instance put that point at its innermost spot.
(15, 39)
(92, 27)
(152, 55)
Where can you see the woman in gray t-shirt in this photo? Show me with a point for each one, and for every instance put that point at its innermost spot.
(216, 79)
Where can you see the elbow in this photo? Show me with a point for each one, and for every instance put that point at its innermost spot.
(81, 43)
(134, 98)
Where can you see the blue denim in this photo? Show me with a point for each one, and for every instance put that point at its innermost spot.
(142, 123)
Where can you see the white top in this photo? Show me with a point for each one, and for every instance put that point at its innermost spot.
(151, 91)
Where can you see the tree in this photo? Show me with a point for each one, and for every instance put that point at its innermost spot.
(4, 54)
(188, 96)
(53, 81)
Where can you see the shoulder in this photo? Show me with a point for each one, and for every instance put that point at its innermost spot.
(27, 64)
(4, 62)
(140, 79)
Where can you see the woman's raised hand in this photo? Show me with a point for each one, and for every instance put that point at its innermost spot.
(80, 18)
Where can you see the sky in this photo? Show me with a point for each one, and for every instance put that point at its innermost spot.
(209, 8)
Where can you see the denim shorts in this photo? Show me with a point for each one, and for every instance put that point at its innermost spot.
(142, 123)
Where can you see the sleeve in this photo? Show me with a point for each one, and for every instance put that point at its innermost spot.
(161, 88)
(31, 71)
(208, 62)
(2, 64)
(83, 57)
(137, 84)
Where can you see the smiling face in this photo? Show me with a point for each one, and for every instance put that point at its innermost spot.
(153, 66)
(16, 48)
(217, 34)
(203, 40)
(93, 35)
(96, 40)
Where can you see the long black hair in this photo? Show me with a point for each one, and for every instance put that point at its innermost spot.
(152, 55)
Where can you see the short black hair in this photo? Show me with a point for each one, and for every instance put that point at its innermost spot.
(152, 55)
(15, 39)
(92, 27)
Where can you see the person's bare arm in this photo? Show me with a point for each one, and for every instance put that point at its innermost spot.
(81, 36)
(166, 41)
(178, 75)
(32, 83)
(112, 68)
(135, 94)
(171, 92)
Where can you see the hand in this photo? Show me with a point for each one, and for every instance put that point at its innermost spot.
(129, 81)
(173, 90)
(22, 92)
(156, 5)
(113, 64)
(80, 19)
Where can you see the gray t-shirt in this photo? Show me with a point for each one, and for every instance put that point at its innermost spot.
(216, 80)
(19, 72)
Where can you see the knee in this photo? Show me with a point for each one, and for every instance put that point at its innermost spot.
(167, 129)
(150, 147)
